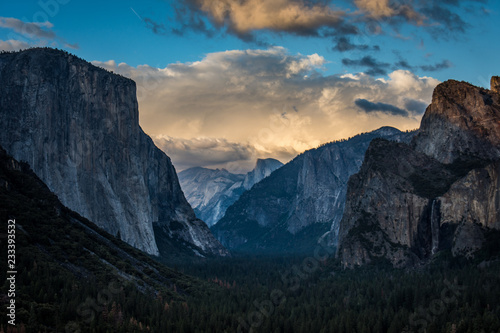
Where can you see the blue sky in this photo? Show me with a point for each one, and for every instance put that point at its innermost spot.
(221, 83)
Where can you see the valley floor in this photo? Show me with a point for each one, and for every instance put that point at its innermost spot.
(295, 295)
(262, 294)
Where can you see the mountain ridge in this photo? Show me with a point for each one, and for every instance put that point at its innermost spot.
(299, 203)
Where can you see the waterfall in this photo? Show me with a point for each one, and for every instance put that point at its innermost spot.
(434, 228)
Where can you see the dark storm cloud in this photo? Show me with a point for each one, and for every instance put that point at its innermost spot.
(188, 15)
(450, 22)
(446, 17)
(203, 151)
(426, 68)
(415, 106)
(439, 17)
(403, 64)
(437, 67)
(343, 44)
(157, 28)
(368, 107)
(374, 67)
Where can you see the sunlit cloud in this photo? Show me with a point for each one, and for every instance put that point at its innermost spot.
(380, 9)
(232, 107)
(293, 16)
(317, 18)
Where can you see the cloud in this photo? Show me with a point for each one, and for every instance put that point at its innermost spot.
(188, 16)
(448, 20)
(437, 67)
(205, 152)
(13, 45)
(157, 28)
(375, 67)
(404, 64)
(268, 102)
(344, 45)
(242, 18)
(39, 30)
(248, 19)
(440, 18)
(380, 9)
(368, 106)
(426, 68)
(39, 33)
(74, 46)
(415, 106)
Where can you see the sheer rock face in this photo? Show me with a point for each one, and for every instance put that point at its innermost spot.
(77, 126)
(474, 198)
(462, 120)
(382, 207)
(440, 192)
(210, 192)
(301, 203)
(495, 84)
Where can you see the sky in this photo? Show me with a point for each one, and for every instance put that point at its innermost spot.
(221, 83)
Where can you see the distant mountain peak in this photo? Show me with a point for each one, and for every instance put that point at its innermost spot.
(266, 160)
(263, 168)
(211, 191)
(386, 130)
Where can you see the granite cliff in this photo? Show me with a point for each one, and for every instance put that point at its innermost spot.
(301, 202)
(210, 192)
(440, 192)
(263, 168)
(77, 126)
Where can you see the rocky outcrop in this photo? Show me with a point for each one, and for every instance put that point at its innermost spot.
(474, 198)
(440, 192)
(78, 127)
(301, 202)
(495, 84)
(462, 120)
(210, 192)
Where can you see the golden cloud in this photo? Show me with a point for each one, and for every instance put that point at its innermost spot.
(246, 104)
(278, 15)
